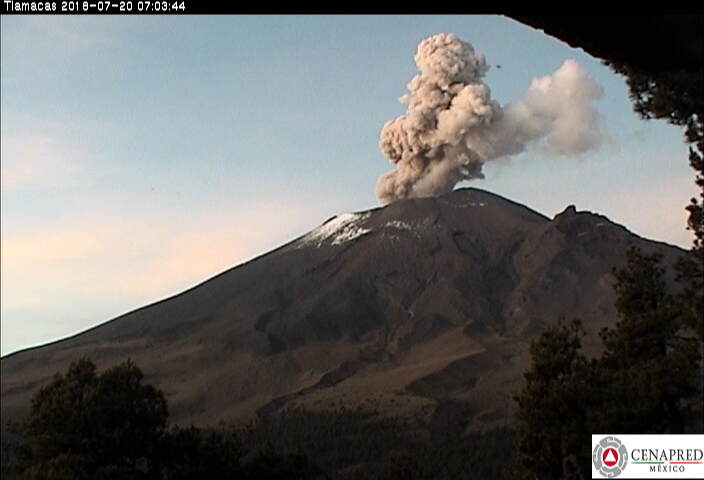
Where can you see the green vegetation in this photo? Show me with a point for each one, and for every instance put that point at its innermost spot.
(360, 445)
(85, 425)
(650, 378)
(647, 380)
(677, 97)
(644, 382)
(112, 426)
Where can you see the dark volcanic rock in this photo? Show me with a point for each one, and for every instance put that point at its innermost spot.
(425, 306)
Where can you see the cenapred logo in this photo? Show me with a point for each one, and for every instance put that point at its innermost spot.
(647, 456)
(610, 457)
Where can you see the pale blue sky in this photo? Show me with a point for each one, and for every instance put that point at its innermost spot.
(142, 155)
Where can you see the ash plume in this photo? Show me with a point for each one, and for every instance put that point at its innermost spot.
(452, 126)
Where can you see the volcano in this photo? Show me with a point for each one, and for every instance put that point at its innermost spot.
(423, 307)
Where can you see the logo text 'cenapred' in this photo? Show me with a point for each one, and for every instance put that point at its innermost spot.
(647, 456)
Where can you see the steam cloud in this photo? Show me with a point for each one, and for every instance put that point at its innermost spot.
(452, 126)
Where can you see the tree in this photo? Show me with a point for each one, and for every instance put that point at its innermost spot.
(644, 382)
(552, 405)
(649, 362)
(270, 465)
(85, 425)
(191, 452)
(112, 426)
(648, 372)
(678, 98)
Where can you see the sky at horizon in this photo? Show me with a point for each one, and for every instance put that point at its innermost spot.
(141, 155)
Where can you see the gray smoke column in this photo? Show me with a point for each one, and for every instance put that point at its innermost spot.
(452, 126)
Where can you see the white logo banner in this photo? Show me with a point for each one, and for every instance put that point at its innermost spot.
(647, 456)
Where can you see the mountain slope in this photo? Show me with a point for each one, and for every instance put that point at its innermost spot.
(426, 306)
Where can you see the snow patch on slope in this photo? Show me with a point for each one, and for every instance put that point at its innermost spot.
(339, 230)
(399, 225)
(415, 227)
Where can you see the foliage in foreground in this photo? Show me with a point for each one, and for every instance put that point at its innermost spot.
(112, 426)
(85, 425)
(360, 445)
(644, 382)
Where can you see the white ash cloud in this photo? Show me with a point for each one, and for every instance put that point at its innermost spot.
(452, 126)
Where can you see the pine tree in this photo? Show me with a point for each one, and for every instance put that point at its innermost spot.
(552, 407)
(648, 369)
(644, 382)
